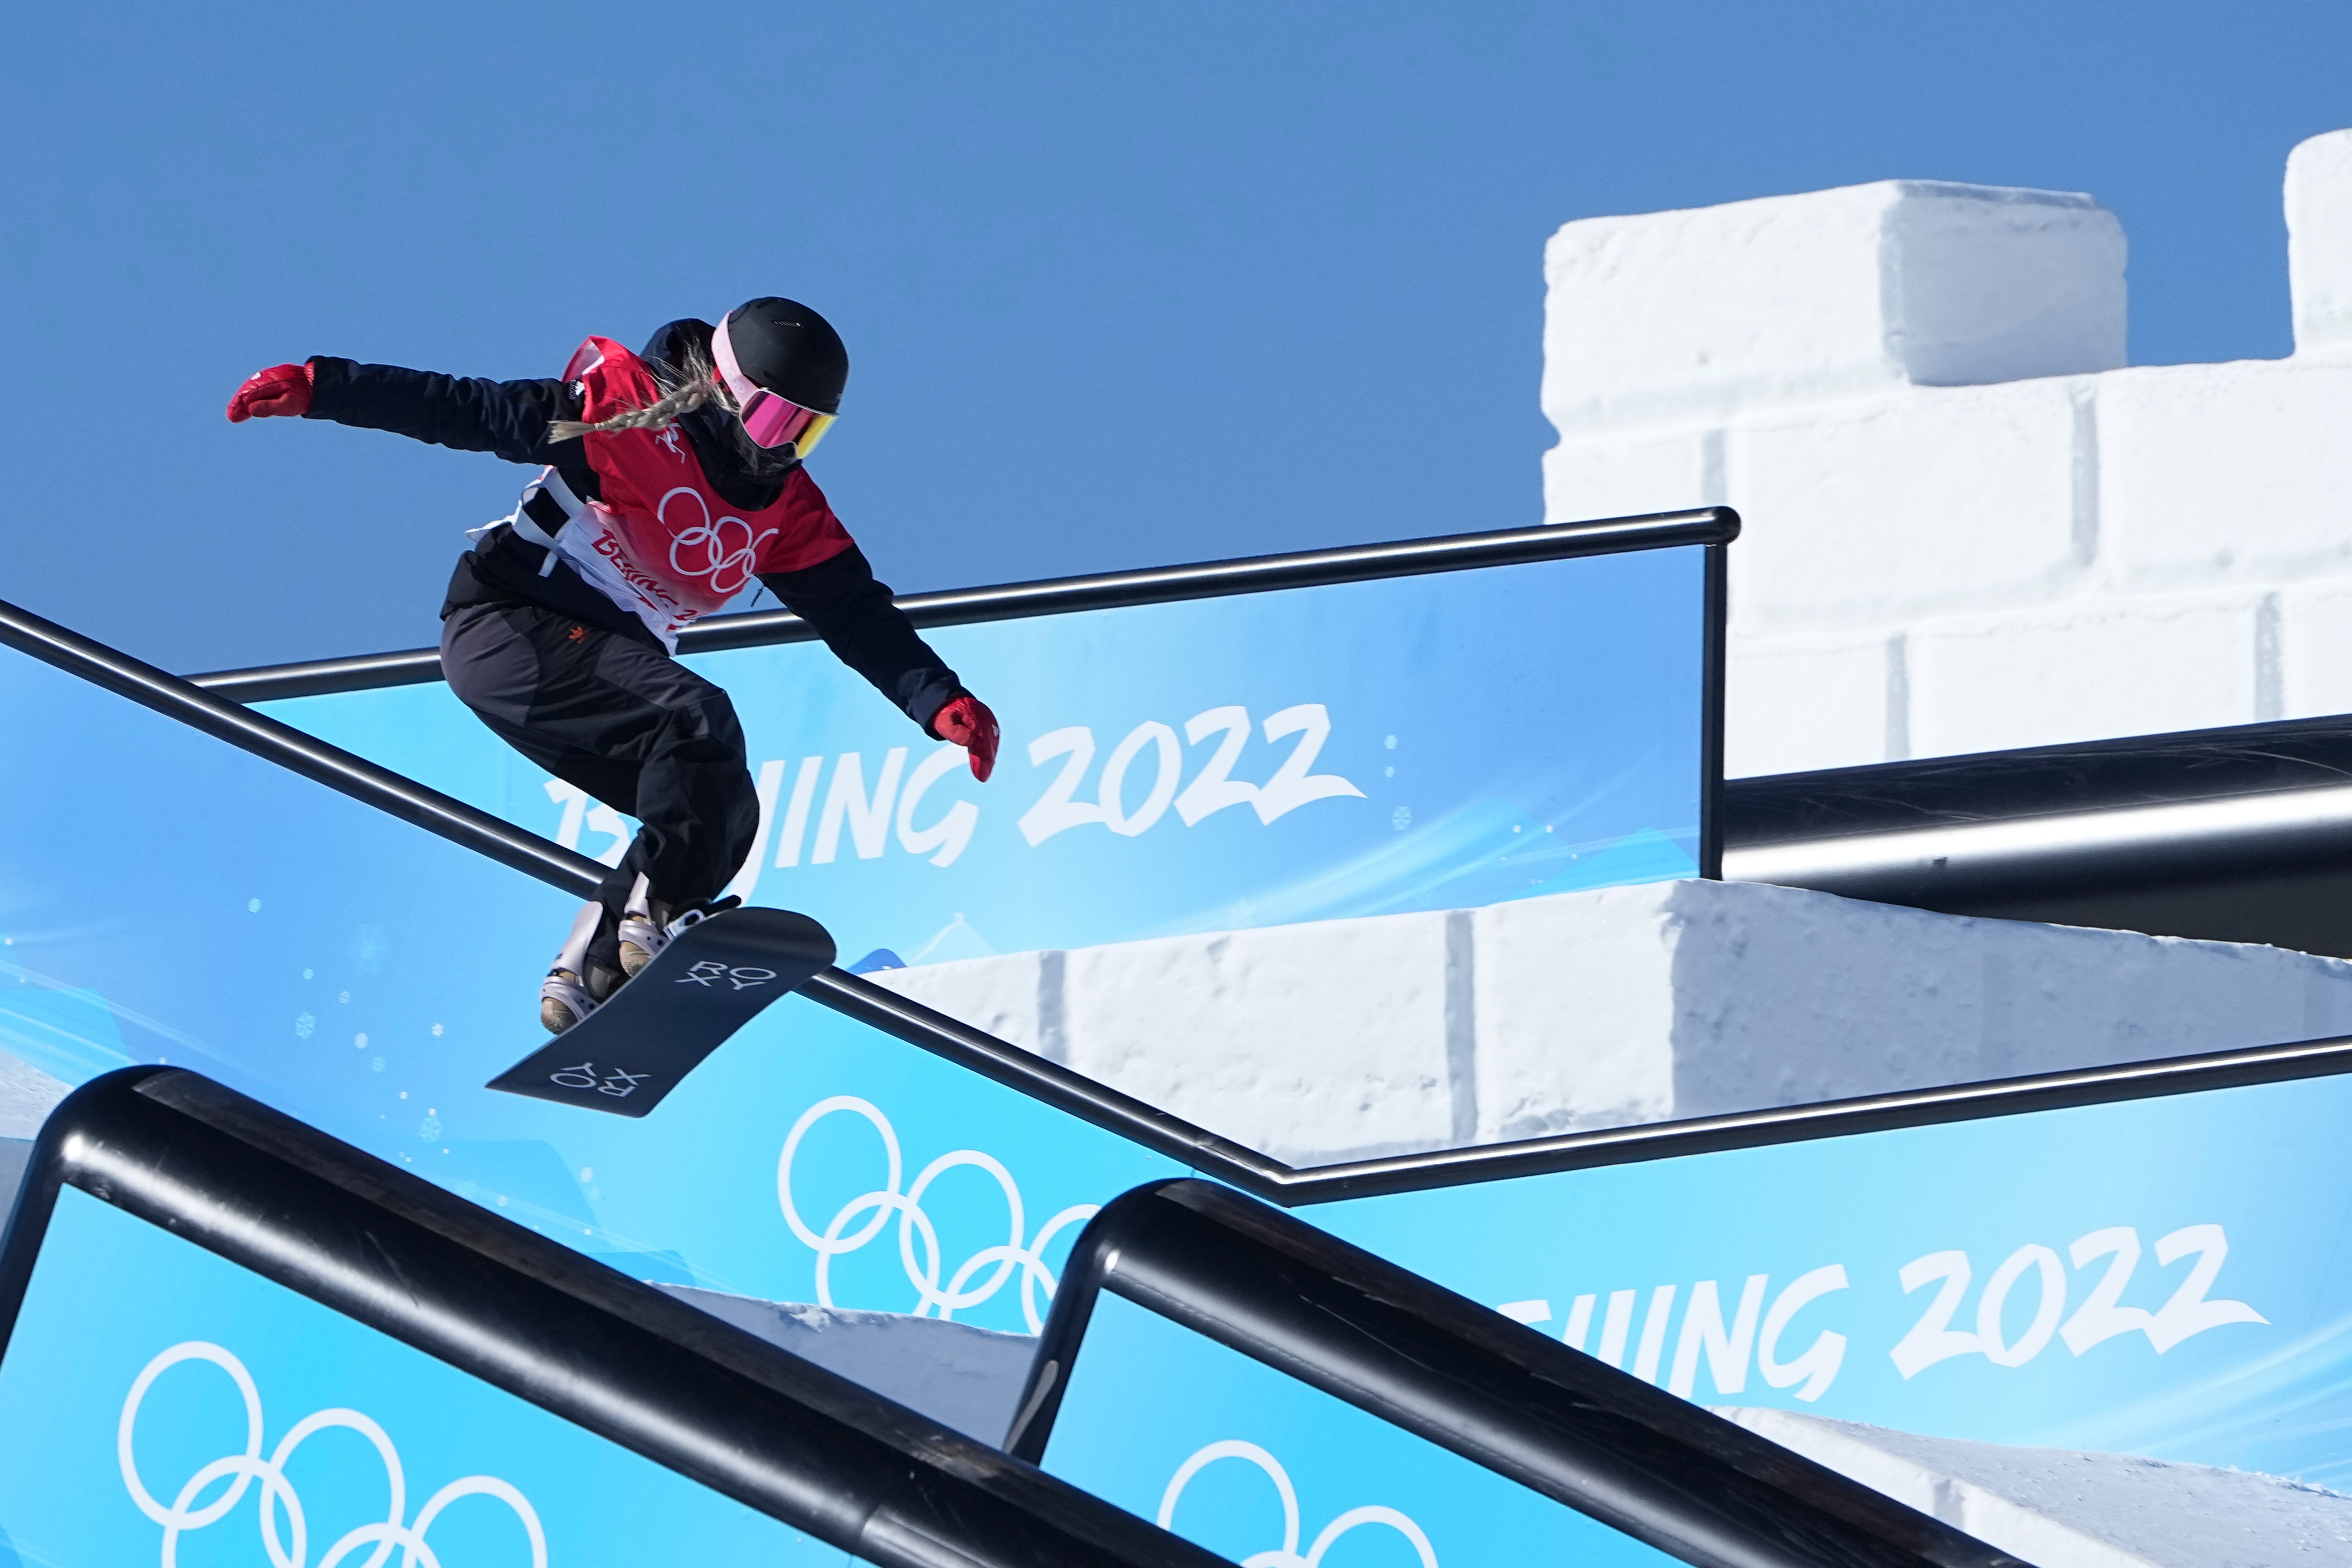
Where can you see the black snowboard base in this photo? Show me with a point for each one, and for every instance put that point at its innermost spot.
(709, 981)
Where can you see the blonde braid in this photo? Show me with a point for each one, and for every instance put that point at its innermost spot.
(698, 385)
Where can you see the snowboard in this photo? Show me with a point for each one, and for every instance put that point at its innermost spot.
(709, 981)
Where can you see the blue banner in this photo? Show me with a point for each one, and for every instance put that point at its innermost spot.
(1259, 1467)
(2161, 1277)
(163, 1404)
(1412, 743)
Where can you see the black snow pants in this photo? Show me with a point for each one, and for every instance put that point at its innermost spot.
(628, 724)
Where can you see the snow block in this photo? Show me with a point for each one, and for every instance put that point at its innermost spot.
(1321, 1040)
(1687, 317)
(1749, 996)
(1335, 1040)
(1575, 1004)
(2144, 665)
(1926, 503)
(1785, 996)
(1791, 703)
(1286, 1037)
(2060, 1508)
(2315, 649)
(2319, 242)
(1004, 995)
(965, 1377)
(2220, 474)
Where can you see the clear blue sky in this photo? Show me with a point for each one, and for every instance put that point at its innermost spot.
(1124, 283)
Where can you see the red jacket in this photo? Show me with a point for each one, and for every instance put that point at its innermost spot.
(660, 541)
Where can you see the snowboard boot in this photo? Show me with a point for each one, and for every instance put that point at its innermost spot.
(644, 933)
(641, 939)
(563, 1000)
(565, 997)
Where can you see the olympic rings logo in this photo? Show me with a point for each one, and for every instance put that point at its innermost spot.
(185, 1513)
(967, 1286)
(1286, 1554)
(728, 546)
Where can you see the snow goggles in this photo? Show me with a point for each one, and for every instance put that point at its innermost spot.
(771, 421)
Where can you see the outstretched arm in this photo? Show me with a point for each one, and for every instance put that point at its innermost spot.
(840, 598)
(470, 415)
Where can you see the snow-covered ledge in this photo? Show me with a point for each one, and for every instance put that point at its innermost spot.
(1346, 1038)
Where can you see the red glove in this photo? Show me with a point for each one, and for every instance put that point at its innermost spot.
(968, 723)
(279, 392)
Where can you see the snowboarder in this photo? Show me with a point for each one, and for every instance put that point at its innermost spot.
(670, 480)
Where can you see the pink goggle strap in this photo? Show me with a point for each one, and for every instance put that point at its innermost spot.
(741, 385)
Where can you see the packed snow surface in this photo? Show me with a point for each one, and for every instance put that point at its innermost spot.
(2058, 1508)
(964, 1377)
(28, 1095)
(14, 1153)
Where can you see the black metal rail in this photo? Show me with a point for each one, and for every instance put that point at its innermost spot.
(1105, 591)
(525, 1314)
(1932, 1107)
(288, 748)
(2041, 780)
(2237, 834)
(1464, 1376)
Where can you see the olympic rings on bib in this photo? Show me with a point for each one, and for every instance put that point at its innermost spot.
(915, 1227)
(1286, 1555)
(728, 551)
(277, 1496)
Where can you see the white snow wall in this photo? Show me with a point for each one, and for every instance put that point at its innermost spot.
(1340, 1038)
(1968, 527)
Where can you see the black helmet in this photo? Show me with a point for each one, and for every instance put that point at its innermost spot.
(787, 349)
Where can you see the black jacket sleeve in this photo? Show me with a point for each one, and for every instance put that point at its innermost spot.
(853, 612)
(470, 415)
